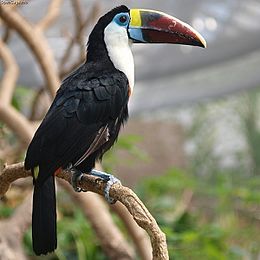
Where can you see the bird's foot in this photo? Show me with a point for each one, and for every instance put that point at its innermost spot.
(110, 179)
(76, 176)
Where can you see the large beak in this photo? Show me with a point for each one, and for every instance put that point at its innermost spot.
(149, 26)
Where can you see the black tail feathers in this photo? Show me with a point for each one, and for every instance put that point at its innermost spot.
(44, 218)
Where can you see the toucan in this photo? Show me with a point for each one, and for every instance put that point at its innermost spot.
(90, 107)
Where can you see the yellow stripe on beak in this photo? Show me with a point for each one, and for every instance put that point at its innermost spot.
(136, 20)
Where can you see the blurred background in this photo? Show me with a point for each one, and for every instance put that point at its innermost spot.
(191, 149)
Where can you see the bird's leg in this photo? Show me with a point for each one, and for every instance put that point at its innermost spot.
(76, 176)
(110, 179)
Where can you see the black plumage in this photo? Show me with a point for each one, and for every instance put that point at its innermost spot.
(76, 116)
(82, 123)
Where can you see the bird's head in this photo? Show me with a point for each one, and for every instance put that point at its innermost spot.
(144, 26)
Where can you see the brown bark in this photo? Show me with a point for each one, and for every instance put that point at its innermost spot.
(111, 239)
(10, 76)
(15, 120)
(139, 236)
(37, 43)
(123, 194)
(51, 15)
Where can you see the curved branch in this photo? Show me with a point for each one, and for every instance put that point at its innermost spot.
(10, 75)
(76, 5)
(51, 15)
(139, 236)
(17, 122)
(78, 37)
(37, 43)
(111, 238)
(123, 194)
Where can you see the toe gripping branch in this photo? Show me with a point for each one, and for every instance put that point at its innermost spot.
(76, 176)
(108, 178)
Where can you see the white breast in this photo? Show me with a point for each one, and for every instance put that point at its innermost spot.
(119, 50)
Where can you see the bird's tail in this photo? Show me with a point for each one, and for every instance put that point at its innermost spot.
(44, 218)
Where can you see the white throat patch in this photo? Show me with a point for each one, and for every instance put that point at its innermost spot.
(119, 50)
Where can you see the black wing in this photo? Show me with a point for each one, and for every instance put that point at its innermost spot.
(86, 113)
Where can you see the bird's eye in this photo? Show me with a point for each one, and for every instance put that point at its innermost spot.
(123, 19)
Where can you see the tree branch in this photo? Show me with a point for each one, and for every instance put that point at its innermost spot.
(15, 120)
(51, 15)
(139, 236)
(123, 194)
(37, 43)
(10, 76)
(78, 38)
(111, 238)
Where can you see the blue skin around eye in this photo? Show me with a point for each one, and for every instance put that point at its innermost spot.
(117, 19)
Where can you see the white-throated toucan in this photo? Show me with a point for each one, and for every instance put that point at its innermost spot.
(90, 106)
